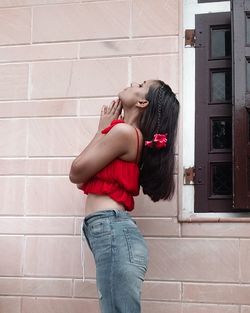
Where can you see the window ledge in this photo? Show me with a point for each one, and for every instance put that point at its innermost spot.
(214, 217)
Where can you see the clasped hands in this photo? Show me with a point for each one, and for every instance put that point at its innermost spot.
(108, 114)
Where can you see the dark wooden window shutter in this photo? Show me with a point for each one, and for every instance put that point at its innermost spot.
(241, 108)
(213, 113)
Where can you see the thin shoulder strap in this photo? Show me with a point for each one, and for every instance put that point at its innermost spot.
(137, 153)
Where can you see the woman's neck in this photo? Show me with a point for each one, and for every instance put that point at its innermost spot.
(131, 118)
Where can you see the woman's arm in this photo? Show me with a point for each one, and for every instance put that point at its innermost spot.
(97, 137)
(114, 144)
(108, 114)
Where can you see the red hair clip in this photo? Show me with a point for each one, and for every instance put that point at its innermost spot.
(159, 141)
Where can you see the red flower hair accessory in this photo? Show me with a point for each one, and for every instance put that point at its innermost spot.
(159, 141)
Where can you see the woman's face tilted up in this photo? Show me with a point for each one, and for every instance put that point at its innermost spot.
(135, 94)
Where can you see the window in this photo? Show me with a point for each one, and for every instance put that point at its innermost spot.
(222, 110)
(213, 113)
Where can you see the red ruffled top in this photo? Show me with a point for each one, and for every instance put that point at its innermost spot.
(119, 179)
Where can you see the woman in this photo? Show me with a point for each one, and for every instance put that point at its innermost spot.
(125, 153)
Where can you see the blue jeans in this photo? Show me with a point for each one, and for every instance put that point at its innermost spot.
(121, 259)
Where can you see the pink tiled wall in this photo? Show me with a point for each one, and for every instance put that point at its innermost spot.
(60, 61)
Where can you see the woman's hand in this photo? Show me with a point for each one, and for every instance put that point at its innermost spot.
(110, 113)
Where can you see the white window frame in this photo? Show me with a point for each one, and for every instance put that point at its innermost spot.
(187, 97)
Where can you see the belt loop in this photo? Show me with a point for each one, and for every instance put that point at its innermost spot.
(118, 213)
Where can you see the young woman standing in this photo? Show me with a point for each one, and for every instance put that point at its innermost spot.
(126, 153)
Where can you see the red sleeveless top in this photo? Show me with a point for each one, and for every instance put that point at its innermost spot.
(119, 179)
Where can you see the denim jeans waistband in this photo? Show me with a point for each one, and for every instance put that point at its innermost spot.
(106, 213)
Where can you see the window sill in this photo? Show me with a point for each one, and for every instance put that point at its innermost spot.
(214, 217)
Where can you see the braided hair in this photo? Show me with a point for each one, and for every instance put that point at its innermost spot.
(157, 165)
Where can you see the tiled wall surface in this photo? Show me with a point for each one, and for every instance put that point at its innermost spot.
(60, 60)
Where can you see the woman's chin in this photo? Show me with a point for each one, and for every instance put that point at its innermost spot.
(120, 96)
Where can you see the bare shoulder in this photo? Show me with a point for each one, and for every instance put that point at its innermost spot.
(125, 133)
(122, 130)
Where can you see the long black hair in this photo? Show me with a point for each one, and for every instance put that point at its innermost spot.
(157, 165)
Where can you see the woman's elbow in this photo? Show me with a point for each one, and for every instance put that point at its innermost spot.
(73, 179)
(74, 175)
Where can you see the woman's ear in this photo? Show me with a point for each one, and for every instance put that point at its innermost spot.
(142, 104)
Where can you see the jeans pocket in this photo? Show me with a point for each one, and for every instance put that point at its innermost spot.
(100, 227)
(100, 238)
(137, 247)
